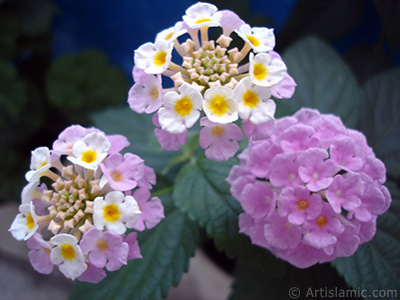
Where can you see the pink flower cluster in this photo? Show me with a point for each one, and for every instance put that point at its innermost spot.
(310, 188)
(82, 202)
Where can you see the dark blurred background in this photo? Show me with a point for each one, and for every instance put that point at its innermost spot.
(63, 60)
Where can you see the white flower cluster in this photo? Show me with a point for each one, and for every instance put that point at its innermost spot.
(213, 79)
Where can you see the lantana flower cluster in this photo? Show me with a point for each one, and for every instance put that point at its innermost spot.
(212, 81)
(81, 198)
(311, 189)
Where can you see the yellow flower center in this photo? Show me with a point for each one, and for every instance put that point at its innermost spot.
(322, 221)
(253, 40)
(302, 204)
(154, 93)
(250, 99)
(169, 35)
(102, 245)
(111, 212)
(260, 71)
(89, 156)
(116, 176)
(29, 221)
(219, 106)
(203, 20)
(67, 251)
(42, 165)
(218, 130)
(183, 106)
(160, 58)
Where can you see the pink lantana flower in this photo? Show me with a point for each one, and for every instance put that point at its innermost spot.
(328, 186)
(298, 204)
(262, 199)
(315, 170)
(105, 249)
(134, 250)
(122, 172)
(146, 95)
(152, 210)
(323, 230)
(92, 274)
(219, 140)
(40, 254)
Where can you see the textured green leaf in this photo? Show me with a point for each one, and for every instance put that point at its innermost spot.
(202, 191)
(85, 82)
(381, 118)
(139, 130)
(376, 264)
(323, 82)
(166, 252)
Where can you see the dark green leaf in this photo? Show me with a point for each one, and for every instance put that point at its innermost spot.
(381, 118)
(202, 191)
(85, 82)
(323, 81)
(166, 252)
(376, 264)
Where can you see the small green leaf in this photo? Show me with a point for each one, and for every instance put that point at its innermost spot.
(381, 118)
(166, 251)
(323, 82)
(376, 264)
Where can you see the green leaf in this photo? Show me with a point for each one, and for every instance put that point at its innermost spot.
(381, 118)
(85, 82)
(376, 264)
(323, 82)
(202, 191)
(139, 130)
(166, 252)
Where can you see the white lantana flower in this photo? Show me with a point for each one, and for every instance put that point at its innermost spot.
(90, 151)
(182, 110)
(202, 14)
(40, 163)
(154, 58)
(219, 105)
(254, 102)
(261, 39)
(115, 212)
(266, 72)
(172, 33)
(68, 255)
(25, 223)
